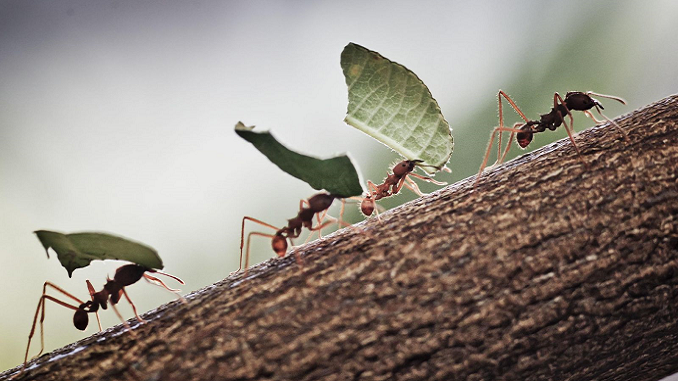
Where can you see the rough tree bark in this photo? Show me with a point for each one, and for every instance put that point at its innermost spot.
(549, 271)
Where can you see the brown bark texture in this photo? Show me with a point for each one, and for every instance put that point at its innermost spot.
(554, 268)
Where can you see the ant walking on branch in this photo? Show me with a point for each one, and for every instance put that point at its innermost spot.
(318, 205)
(393, 183)
(113, 290)
(574, 101)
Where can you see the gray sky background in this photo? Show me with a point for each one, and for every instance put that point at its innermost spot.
(117, 116)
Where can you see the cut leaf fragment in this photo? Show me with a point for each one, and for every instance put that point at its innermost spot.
(337, 175)
(390, 103)
(79, 249)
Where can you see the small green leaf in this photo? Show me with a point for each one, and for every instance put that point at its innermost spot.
(336, 175)
(390, 103)
(79, 249)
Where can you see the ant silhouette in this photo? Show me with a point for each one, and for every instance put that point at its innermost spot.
(393, 183)
(574, 101)
(318, 205)
(113, 290)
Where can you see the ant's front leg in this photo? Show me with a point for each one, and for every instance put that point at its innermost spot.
(242, 239)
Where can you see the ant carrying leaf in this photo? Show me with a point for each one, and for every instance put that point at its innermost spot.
(112, 292)
(338, 176)
(390, 103)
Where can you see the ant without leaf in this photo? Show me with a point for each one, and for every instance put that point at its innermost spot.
(393, 183)
(317, 206)
(574, 100)
(113, 290)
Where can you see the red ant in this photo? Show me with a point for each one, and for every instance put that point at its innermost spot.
(574, 100)
(393, 183)
(318, 205)
(113, 290)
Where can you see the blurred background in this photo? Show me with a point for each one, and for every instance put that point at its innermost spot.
(118, 116)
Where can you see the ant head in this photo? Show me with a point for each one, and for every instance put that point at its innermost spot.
(279, 244)
(129, 274)
(576, 100)
(321, 201)
(367, 205)
(404, 167)
(80, 318)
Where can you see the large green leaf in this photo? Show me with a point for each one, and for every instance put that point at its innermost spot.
(390, 103)
(337, 175)
(79, 249)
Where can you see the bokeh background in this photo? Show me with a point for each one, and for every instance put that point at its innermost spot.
(118, 116)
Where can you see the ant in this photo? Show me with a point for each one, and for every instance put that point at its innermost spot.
(574, 101)
(113, 290)
(393, 183)
(318, 205)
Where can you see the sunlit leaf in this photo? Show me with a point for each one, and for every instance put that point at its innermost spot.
(390, 103)
(79, 249)
(336, 175)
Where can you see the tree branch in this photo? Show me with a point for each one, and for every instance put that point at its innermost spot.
(551, 270)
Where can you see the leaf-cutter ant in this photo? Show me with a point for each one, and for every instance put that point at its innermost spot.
(393, 183)
(112, 291)
(318, 205)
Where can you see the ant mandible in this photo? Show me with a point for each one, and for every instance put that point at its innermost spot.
(393, 183)
(574, 100)
(113, 290)
(318, 205)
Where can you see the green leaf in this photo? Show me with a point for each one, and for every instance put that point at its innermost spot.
(390, 103)
(79, 249)
(336, 175)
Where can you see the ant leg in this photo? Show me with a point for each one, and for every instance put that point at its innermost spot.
(134, 308)
(91, 290)
(124, 322)
(411, 185)
(40, 310)
(158, 282)
(249, 236)
(501, 124)
(570, 129)
(612, 122)
(167, 275)
(590, 115)
(428, 179)
(242, 238)
(497, 130)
